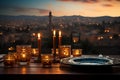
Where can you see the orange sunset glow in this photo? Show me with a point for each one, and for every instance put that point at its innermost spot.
(90, 8)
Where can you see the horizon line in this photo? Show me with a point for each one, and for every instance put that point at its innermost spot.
(60, 16)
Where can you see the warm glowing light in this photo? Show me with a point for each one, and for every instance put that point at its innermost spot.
(34, 51)
(75, 39)
(119, 35)
(19, 48)
(101, 37)
(9, 59)
(1, 33)
(23, 70)
(35, 54)
(57, 51)
(59, 33)
(23, 55)
(98, 38)
(10, 48)
(64, 51)
(107, 30)
(46, 57)
(110, 37)
(33, 34)
(39, 35)
(77, 52)
(54, 33)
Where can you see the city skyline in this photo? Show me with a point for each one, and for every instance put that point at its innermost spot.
(90, 8)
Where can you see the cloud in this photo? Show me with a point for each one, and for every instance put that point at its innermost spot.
(108, 5)
(112, 0)
(117, 0)
(90, 1)
(41, 11)
(83, 1)
(23, 10)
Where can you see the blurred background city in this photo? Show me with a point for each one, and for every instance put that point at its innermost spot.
(99, 34)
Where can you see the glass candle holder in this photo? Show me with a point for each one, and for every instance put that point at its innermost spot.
(76, 52)
(64, 51)
(35, 53)
(9, 60)
(15, 54)
(24, 57)
(47, 60)
(19, 48)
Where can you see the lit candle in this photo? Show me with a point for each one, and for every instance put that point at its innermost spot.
(34, 51)
(9, 60)
(77, 52)
(65, 51)
(60, 37)
(54, 33)
(54, 45)
(46, 60)
(59, 33)
(39, 46)
(38, 35)
(23, 55)
(35, 54)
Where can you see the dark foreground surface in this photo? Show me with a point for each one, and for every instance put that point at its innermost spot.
(35, 71)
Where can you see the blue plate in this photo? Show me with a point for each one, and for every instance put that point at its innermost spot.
(88, 61)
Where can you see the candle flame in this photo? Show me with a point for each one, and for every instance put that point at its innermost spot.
(77, 52)
(34, 51)
(59, 33)
(38, 35)
(65, 53)
(23, 55)
(54, 33)
(9, 58)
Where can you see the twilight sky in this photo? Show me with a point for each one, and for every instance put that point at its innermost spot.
(91, 8)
